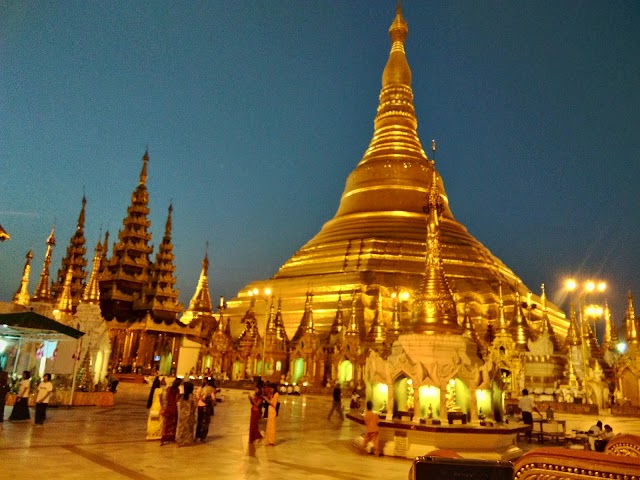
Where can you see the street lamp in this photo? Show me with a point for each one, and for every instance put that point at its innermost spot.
(588, 287)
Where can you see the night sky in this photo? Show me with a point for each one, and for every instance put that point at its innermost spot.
(255, 112)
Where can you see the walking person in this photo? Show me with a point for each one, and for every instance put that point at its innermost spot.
(273, 401)
(43, 395)
(4, 390)
(21, 408)
(170, 412)
(372, 430)
(527, 406)
(187, 408)
(154, 420)
(206, 399)
(337, 403)
(256, 404)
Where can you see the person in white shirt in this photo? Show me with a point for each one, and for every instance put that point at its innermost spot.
(43, 395)
(527, 406)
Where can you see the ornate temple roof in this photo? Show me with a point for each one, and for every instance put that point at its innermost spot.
(200, 304)
(378, 234)
(610, 337)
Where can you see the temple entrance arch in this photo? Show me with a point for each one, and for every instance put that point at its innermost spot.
(345, 371)
(237, 370)
(298, 370)
(165, 364)
(402, 395)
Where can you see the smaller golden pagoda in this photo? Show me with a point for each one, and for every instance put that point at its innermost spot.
(21, 297)
(43, 289)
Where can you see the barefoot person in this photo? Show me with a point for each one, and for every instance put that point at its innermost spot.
(527, 407)
(372, 430)
(21, 408)
(256, 402)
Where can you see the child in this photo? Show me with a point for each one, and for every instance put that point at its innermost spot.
(372, 430)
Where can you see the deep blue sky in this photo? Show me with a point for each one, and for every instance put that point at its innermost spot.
(255, 112)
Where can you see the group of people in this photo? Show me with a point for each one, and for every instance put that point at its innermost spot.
(265, 403)
(180, 413)
(20, 410)
(599, 436)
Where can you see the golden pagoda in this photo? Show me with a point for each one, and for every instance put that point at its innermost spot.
(378, 235)
(200, 307)
(21, 297)
(74, 260)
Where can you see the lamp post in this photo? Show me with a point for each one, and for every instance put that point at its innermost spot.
(265, 296)
(582, 290)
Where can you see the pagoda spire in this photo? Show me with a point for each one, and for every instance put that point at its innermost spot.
(631, 323)
(271, 327)
(200, 303)
(573, 338)
(436, 307)
(395, 327)
(546, 323)
(306, 322)
(353, 330)
(159, 297)
(126, 272)
(64, 302)
(92, 290)
(75, 261)
(43, 290)
(279, 321)
(519, 325)
(469, 329)
(338, 322)
(21, 296)
(502, 321)
(610, 338)
(377, 333)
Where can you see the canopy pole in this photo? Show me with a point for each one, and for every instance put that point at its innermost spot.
(75, 371)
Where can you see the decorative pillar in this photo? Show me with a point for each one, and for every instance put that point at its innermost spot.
(416, 405)
(390, 396)
(443, 404)
(473, 414)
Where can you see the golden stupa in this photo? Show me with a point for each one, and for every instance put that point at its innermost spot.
(376, 242)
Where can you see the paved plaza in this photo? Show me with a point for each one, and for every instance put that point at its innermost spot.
(109, 443)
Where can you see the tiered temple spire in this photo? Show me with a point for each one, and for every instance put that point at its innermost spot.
(306, 322)
(159, 296)
(21, 296)
(127, 271)
(353, 329)
(64, 302)
(573, 338)
(75, 261)
(43, 290)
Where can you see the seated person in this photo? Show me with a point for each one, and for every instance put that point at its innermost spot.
(296, 389)
(608, 433)
(355, 400)
(596, 429)
(600, 443)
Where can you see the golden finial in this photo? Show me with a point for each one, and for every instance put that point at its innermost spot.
(143, 172)
(610, 338)
(92, 290)
(169, 224)
(65, 302)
